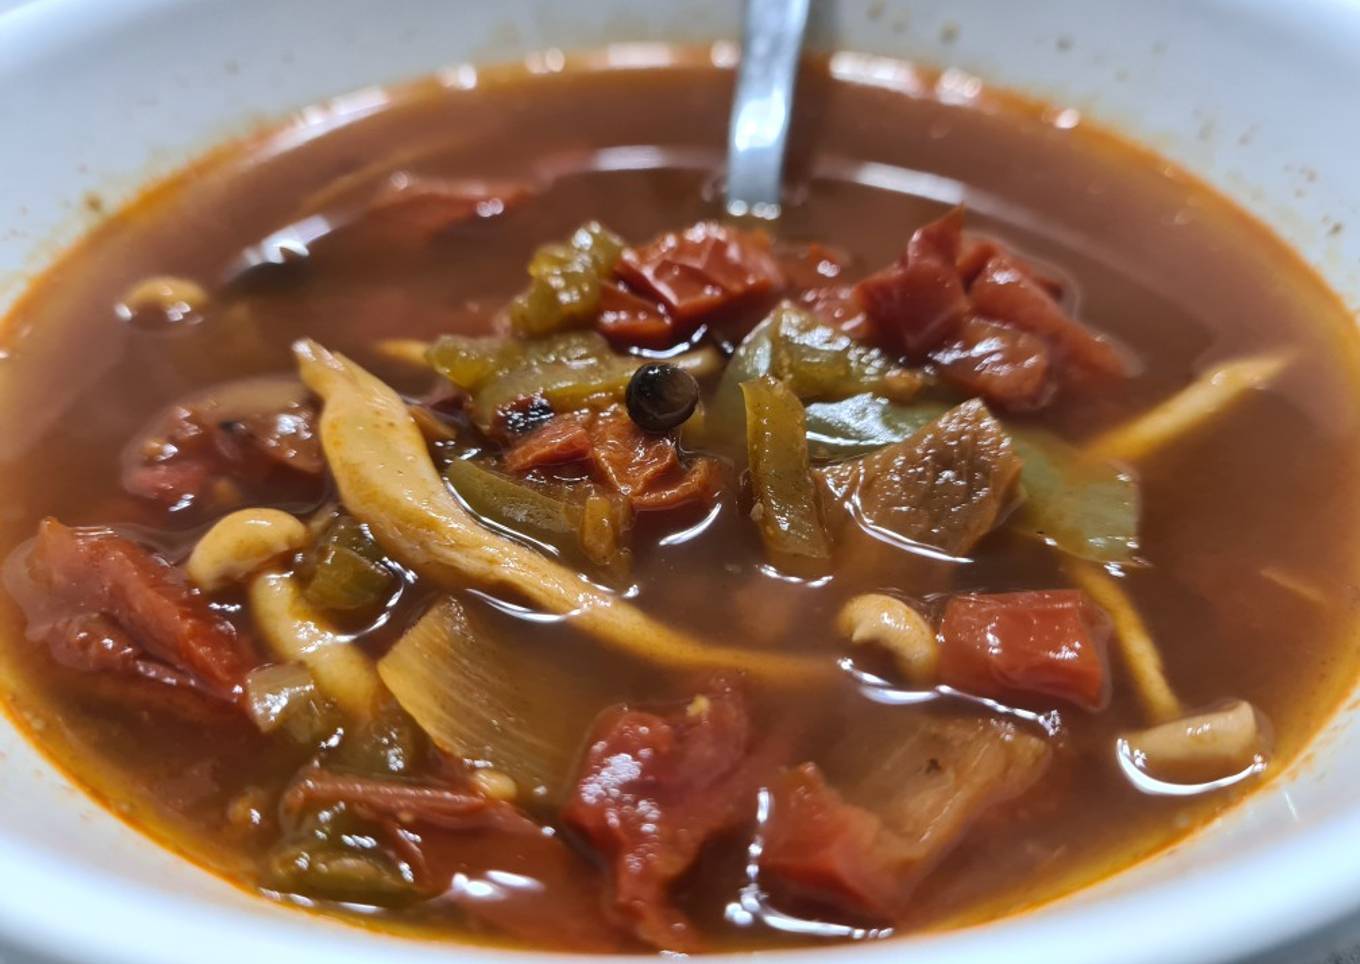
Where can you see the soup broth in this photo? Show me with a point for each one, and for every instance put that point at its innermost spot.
(415, 220)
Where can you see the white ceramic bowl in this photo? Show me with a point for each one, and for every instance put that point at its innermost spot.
(1257, 96)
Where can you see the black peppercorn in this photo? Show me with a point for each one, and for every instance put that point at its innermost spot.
(660, 397)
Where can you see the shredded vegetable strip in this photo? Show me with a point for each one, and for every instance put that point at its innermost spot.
(1205, 398)
(410, 351)
(386, 479)
(1300, 587)
(1140, 653)
(295, 631)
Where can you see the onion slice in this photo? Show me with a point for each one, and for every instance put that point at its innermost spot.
(487, 701)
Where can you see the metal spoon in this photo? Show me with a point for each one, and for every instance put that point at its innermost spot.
(772, 37)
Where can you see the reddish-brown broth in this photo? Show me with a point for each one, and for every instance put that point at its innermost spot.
(1177, 274)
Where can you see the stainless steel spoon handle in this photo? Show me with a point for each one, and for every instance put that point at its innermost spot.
(772, 38)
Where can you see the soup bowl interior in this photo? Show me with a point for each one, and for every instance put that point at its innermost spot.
(99, 99)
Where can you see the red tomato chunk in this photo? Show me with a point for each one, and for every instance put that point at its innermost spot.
(701, 270)
(123, 609)
(1019, 645)
(652, 790)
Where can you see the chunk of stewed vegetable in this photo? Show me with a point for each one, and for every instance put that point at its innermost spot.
(564, 286)
(786, 510)
(346, 572)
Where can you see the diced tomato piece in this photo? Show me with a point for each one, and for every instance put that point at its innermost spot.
(831, 851)
(1003, 365)
(839, 307)
(188, 450)
(644, 468)
(702, 270)
(813, 265)
(976, 252)
(1006, 294)
(905, 802)
(941, 238)
(918, 302)
(653, 789)
(702, 479)
(565, 438)
(628, 458)
(287, 438)
(93, 643)
(1019, 645)
(146, 599)
(629, 320)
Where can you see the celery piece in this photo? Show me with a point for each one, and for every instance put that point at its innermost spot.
(602, 245)
(786, 509)
(346, 570)
(468, 361)
(1082, 504)
(576, 520)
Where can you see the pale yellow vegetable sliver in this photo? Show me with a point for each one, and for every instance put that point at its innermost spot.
(294, 631)
(1135, 643)
(1207, 397)
(410, 351)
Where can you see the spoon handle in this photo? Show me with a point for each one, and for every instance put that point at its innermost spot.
(772, 38)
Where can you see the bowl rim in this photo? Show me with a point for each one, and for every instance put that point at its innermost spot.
(1237, 912)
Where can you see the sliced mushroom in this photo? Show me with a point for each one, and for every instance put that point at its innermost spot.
(890, 623)
(1204, 747)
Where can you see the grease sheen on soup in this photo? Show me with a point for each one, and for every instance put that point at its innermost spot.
(853, 650)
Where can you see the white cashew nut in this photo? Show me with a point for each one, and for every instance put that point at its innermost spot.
(175, 297)
(1203, 747)
(242, 543)
(895, 626)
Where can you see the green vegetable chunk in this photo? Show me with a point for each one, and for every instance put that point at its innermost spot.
(786, 509)
(469, 361)
(818, 361)
(564, 290)
(389, 743)
(602, 246)
(569, 371)
(346, 571)
(577, 520)
(1079, 503)
(1082, 504)
(319, 857)
(862, 423)
(815, 360)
